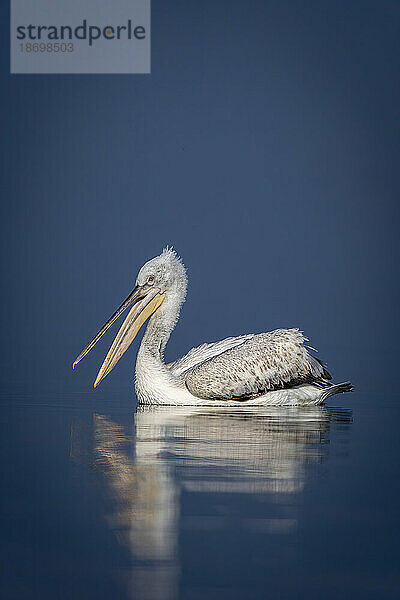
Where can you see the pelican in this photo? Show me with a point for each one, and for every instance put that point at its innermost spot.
(265, 369)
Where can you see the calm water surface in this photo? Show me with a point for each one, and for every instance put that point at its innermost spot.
(102, 500)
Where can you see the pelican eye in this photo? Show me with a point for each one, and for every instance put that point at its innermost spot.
(150, 279)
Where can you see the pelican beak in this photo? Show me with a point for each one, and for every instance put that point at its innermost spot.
(145, 299)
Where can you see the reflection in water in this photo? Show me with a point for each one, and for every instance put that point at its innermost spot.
(263, 453)
(144, 510)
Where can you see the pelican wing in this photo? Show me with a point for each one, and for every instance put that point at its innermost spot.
(198, 355)
(264, 362)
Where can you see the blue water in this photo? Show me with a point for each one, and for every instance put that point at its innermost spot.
(102, 500)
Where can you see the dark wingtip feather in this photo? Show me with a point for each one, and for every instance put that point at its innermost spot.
(326, 373)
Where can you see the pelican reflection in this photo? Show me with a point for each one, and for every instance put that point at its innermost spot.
(266, 453)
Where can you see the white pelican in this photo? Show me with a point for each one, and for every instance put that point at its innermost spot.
(272, 368)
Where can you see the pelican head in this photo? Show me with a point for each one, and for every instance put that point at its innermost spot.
(162, 278)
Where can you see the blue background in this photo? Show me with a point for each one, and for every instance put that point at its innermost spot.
(265, 147)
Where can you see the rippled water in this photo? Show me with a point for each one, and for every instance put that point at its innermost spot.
(165, 503)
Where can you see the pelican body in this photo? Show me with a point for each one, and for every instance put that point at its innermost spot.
(273, 368)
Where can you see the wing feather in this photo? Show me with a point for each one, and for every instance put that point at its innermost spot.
(204, 352)
(264, 362)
